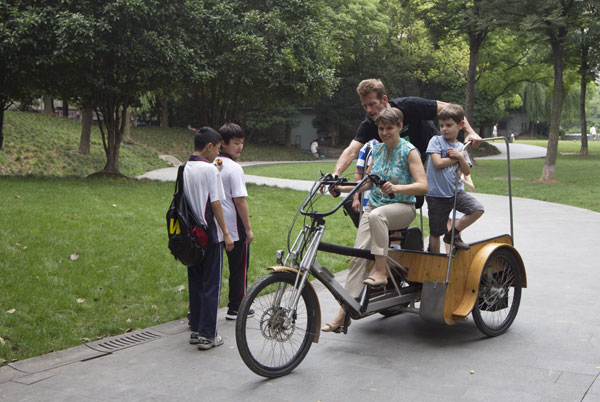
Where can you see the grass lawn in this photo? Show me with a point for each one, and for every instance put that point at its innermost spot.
(578, 177)
(86, 259)
(40, 145)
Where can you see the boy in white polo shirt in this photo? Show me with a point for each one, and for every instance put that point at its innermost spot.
(204, 193)
(237, 218)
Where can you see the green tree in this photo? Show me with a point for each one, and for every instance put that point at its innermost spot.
(359, 29)
(22, 52)
(587, 56)
(471, 18)
(549, 21)
(257, 56)
(115, 51)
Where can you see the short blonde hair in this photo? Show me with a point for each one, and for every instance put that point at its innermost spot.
(372, 84)
(390, 115)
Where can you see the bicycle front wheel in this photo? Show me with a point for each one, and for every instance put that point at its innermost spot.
(276, 338)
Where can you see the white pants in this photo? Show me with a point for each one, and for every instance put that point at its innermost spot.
(373, 234)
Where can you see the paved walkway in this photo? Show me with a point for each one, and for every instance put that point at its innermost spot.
(517, 151)
(550, 354)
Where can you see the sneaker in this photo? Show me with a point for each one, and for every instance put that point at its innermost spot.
(195, 338)
(232, 314)
(209, 343)
(458, 242)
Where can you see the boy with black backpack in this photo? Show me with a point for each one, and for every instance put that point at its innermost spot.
(204, 192)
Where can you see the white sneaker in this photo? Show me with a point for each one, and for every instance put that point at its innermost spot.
(209, 343)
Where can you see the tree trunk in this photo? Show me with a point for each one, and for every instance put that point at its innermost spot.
(113, 120)
(86, 130)
(1, 127)
(127, 122)
(48, 105)
(549, 170)
(65, 108)
(475, 41)
(164, 116)
(584, 142)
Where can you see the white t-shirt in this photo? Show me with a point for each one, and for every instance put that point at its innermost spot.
(201, 186)
(314, 146)
(593, 130)
(234, 185)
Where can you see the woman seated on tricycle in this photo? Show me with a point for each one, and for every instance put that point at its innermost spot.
(391, 205)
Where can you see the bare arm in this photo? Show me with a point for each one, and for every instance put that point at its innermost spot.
(347, 157)
(347, 188)
(218, 212)
(469, 182)
(441, 163)
(242, 208)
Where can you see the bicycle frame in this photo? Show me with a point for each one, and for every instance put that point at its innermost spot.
(308, 242)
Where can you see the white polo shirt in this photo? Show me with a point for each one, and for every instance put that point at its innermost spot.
(201, 186)
(234, 185)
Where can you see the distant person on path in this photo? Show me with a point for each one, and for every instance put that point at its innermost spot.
(314, 149)
(418, 121)
(237, 218)
(203, 190)
(447, 159)
(593, 132)
(495, 130)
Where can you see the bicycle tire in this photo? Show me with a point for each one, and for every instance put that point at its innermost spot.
(267, 345)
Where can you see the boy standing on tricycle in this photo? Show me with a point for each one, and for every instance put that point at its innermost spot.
(446, 156)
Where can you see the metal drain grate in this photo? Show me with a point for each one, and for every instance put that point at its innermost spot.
(124, 341)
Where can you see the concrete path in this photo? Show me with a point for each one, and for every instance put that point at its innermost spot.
(550, 354)
(517, 151)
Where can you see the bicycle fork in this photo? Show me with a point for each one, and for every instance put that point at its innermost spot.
(303, 270)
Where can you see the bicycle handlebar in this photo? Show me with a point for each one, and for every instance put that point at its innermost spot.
(330, 182)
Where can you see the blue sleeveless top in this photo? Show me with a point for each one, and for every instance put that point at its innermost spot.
(393, 168)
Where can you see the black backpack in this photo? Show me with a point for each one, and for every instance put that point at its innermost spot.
(188, 238)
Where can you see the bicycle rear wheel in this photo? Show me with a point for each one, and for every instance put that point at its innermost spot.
(276, 339)
(499, 294)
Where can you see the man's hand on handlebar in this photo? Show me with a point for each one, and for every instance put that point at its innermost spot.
(332, 187)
